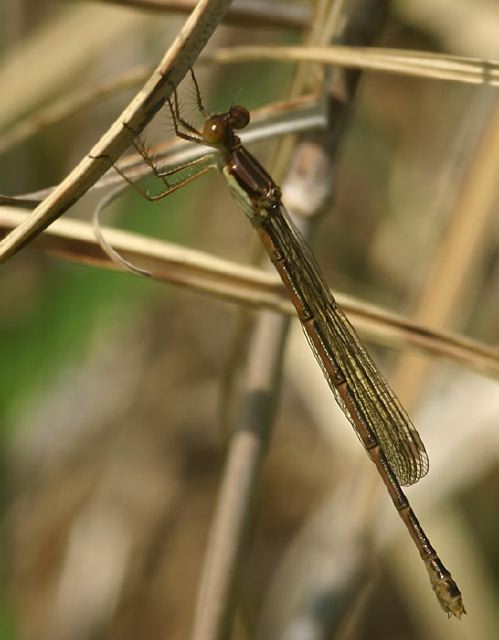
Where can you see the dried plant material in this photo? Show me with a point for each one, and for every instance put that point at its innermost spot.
(75, 240)
(417, 64)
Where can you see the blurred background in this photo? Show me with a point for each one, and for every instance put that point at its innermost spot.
(112, 386)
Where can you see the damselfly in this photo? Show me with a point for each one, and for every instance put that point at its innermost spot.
(382, 425)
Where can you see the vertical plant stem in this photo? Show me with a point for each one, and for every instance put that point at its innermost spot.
(231, 524)
(228, 538)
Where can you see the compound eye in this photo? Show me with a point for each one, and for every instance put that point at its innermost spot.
(213, 130)
(239, 117)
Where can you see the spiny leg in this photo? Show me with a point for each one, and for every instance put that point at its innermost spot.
(161, 175)
(199, 100)
(147, 156)
(151, 162)
(194, 135)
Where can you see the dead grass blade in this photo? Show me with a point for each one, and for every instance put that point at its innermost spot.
(418, 64)
(75, 240)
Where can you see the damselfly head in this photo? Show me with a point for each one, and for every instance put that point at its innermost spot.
(239, 117)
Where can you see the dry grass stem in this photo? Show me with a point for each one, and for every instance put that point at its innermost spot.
(245, 13)
(409, 63)
(75, 241)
